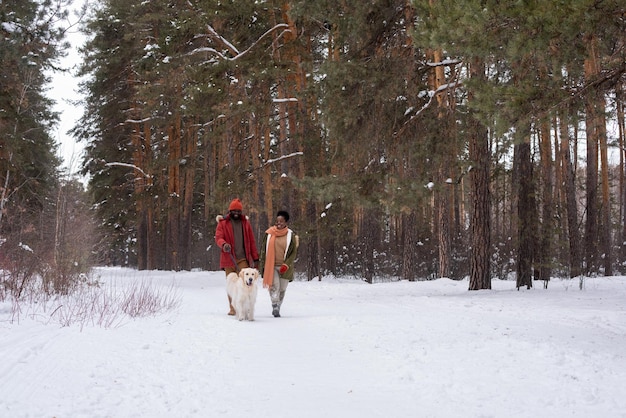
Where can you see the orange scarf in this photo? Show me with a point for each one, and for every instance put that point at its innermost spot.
(270, 256)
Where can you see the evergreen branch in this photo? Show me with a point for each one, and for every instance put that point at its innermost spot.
(608, 76)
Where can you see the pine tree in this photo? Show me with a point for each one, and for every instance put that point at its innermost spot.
(30, 45)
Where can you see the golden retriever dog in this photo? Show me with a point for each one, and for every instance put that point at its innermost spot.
(242, 289)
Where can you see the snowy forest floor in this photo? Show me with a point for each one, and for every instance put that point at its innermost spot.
(342, 348)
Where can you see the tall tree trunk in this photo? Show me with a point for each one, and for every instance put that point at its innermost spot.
(188, 178)
(312, 248)
(591, 122)
(605, 230)
(443, 226)
(544, 254)
(141, 206)
(369, 233)
(573, 233)
(443, 190)
(209, 177)
(621, 125)
(151, 229)
(298, 138)
(525, 211)
(409, 258)
(173, 197)
(480, 226)
(595, 103)
(302, 113)
(138, 161)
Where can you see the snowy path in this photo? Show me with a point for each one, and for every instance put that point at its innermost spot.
(342, 349)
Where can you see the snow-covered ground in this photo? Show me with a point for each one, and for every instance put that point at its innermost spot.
(342, 348)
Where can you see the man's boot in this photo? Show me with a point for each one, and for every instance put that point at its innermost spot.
(276, 311)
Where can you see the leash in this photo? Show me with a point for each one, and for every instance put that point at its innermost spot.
(232, 257)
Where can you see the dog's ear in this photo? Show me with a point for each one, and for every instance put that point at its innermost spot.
(256, 273)
(241, 274)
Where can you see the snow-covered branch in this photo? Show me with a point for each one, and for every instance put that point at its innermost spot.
(137, 120)
(431, 95)
(211, 122)
(134, 167)
(278, 26)
(208, 49)
(444, 63)
(236, 54)
(233, 50)
(287, 99)
(446, 87)
(283, 157)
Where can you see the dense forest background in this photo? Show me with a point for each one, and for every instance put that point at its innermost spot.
(408, 138)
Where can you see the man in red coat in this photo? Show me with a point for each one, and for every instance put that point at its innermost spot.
(235, 237)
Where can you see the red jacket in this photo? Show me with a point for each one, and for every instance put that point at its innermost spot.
(224, 234)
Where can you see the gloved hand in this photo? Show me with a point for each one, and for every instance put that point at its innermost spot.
(226, 247)
(255, 264)
(283, 268)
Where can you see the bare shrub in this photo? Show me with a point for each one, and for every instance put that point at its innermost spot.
(95, 303)
(45, 261)
(19, 268)
(142, 299)
(49, 246)
(74, 237)
(4, 289)
(87, 305)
